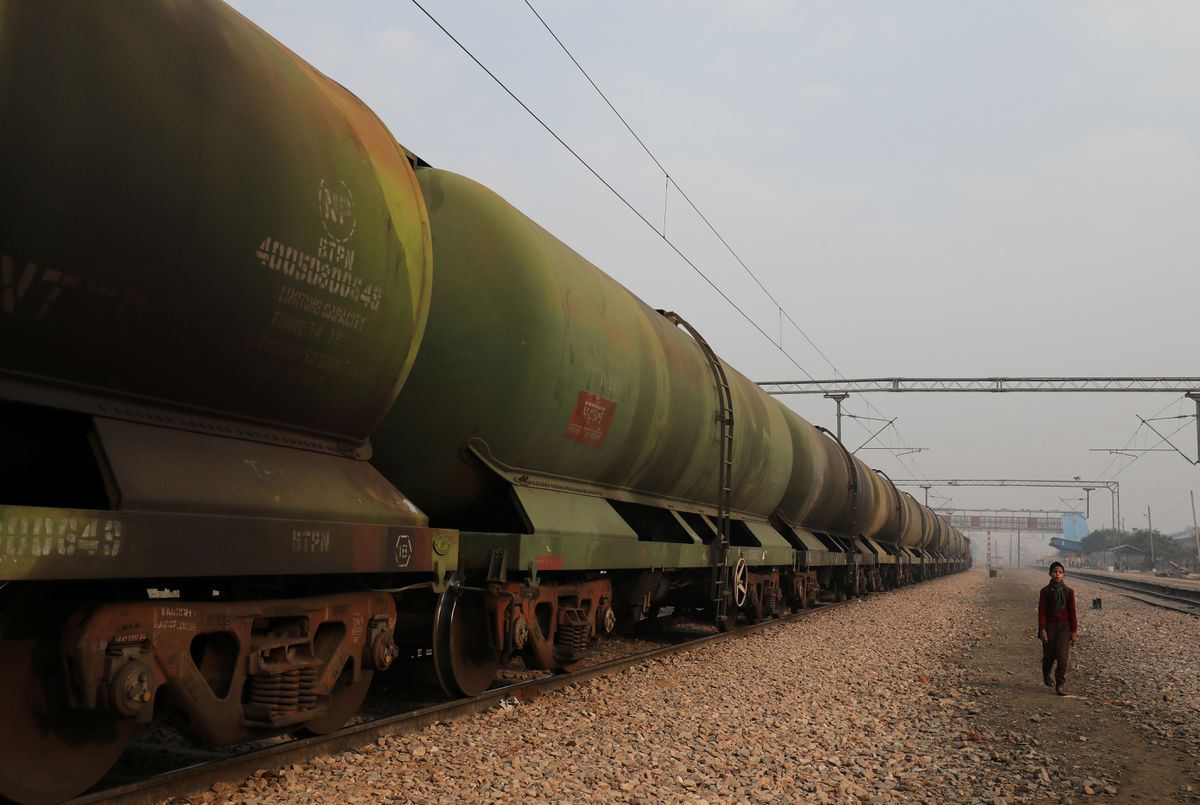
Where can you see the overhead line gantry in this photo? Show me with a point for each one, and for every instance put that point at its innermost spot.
(1113, 487)
(1180, 385)
(839, 390)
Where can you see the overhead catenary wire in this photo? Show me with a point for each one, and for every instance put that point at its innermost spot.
(670, 181)
(1103, 473)
(1161, 439)
(608, 185)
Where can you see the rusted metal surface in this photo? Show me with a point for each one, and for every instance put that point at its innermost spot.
(552, 624)
(180, 187)
(549, 624)
(49, 750)
(46, 543)
(235, 670)
(766, 597)
(466, 645)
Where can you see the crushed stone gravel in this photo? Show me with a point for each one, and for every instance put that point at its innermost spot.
(868, 702)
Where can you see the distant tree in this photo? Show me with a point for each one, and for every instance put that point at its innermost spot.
(1103, 539)
(1165, 548)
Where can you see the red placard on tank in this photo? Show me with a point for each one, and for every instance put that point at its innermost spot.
(591, 419)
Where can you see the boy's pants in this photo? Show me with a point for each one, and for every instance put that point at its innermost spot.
(1057, 647)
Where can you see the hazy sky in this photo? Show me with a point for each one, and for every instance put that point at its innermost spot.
(936, 189)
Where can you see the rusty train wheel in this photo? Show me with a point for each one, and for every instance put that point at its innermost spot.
(49, 751)
(463, 655)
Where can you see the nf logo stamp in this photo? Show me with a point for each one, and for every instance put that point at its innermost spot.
(336, 204)
(404, 550)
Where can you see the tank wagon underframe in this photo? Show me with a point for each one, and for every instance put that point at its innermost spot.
(40, 543)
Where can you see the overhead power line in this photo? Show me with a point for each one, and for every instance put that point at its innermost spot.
(605, 182)
(1125, 451)
(637, 212)
(670, 181)
(682, 192)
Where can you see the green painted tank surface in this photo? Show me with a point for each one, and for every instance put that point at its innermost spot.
(876, 518)
(941, 535)
(191, 216)
(537, 360)
(832, 491)
(890, 509)
(913, 532)
(813, 481)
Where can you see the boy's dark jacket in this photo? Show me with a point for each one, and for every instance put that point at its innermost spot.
(1046, 611)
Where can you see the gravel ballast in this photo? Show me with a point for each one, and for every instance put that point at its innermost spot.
(873, 701)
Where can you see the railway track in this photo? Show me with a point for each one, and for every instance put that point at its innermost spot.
(1148, 592)
(210, 768)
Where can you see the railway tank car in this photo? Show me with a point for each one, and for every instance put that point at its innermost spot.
(215, 272)
(281, 402)
(579, 429)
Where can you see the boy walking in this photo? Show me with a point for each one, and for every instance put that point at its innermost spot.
(1057, 626)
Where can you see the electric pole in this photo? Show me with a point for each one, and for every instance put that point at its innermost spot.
(1195, 530)
(1150, 534)
(1196, 397)
(837, 398)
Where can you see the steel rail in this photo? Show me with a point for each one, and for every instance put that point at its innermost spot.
(196, 779)
(1148, 592)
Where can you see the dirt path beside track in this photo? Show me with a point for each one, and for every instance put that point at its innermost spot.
(1105, 737)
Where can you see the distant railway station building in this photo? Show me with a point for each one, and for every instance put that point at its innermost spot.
(1128, 557)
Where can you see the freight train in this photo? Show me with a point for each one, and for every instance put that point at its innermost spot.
(281, 404)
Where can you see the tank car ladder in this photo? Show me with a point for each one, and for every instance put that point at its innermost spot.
(720, 577)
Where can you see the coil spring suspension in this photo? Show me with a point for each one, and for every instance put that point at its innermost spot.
(770, 602)
(270, 697)
(572, 635)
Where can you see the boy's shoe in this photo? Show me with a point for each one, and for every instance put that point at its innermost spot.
(1046, 678)
(1060, 690)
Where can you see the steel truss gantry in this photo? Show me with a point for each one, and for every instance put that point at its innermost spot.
(1179, 385)
(839, 390)
(1043, 521)
(1113, 487)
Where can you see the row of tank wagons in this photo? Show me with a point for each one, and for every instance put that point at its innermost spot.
(837, 493)
(599, 388)
(334, 313)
